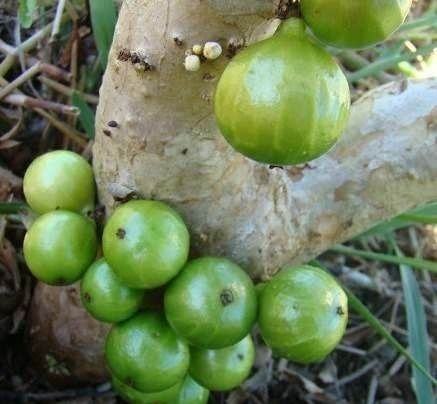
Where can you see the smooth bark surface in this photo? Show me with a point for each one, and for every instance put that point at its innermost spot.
(156, 137)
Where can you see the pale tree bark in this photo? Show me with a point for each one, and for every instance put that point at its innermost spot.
(166, 144)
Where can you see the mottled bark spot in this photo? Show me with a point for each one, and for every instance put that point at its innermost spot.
(178, 41)
(124, 55)
(287, 8)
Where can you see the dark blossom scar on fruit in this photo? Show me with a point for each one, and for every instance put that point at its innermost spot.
(121, 233)
(226, 297)
(340, 311)
(87, 297)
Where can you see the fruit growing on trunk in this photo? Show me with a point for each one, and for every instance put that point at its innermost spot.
(105, 297)
(354, 23)
(222, 369)
(303, 313)
(59, 180)
(212, 303)
(60, 246)
(283, 100)
(145, 243)
(145, 354)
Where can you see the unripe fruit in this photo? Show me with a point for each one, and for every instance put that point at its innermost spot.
(192, 393)
(60, 246)
(212, 303)
(59, 180)
(133, 396)
(105, 297)
(354, 23)
(145, 353)
(302, 314)
(283, 100)
(184, 392)
(222, 369)
(145, 243)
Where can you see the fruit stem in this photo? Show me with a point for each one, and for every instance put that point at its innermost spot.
(292, 27)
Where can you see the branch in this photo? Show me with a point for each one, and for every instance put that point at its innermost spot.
(166, 145)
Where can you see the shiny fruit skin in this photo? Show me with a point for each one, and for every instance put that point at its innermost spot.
(283, 100)
(302, 314)
(146, 243)
(105, 297)
(192, 393)
(354, 23)
(222, 369)
(145, 353)
(168, 396)
(59, 179)
(212, 303)
(184, 392)
(60, 246)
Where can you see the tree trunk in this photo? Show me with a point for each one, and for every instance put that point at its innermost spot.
(163, 143)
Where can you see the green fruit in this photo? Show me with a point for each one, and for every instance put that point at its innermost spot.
(146, 243)
(184, 392)
(283, 100)
(222, 369)
(105, 297)
(144, 353)
(60, 246)
(302, 314)
(354, 23)
(168, 396)
(212, 303)
(192, 392)
(59, 180)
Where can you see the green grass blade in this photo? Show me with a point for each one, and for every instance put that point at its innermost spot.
(382, 64)
(86, 116)
(412, 262)
(428, 20)
(103, 20)
(386, 227)
(417, 333)
(364, 312)
(426, 214)
(26, 12)
(8, 208)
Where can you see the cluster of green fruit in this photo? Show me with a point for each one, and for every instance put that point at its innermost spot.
(198, 339)
(285, 100)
